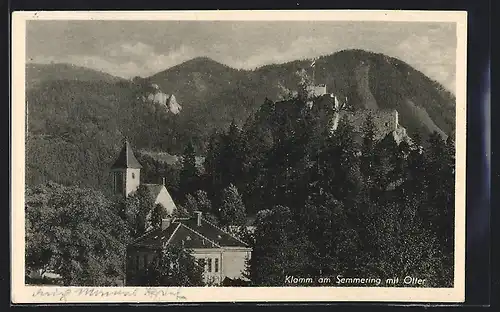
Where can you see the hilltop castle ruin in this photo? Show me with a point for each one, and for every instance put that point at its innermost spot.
(386, 121)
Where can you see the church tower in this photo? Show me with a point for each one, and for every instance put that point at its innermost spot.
(126, 172)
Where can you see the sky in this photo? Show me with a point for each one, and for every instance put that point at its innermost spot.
(142, 48)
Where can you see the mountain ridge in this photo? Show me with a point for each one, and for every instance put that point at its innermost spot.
(40, 72)
(200, 60)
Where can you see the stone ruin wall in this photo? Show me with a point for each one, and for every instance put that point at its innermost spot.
(385, 121)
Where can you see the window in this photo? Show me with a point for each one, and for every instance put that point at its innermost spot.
(137, 263)
(145, 261)
(133, 175)
(209, 263)
(216, 269)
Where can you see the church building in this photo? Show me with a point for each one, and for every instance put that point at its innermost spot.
(224, 254)
(126, 179)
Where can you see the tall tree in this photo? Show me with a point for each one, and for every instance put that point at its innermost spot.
(203, 202)
(230, 162)
(339, 164)
(256, 144)
(440, 161)
(157, 215)
(189, 175)
(191, 204)
(224, 163)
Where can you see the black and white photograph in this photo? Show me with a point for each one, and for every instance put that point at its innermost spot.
(164, 156)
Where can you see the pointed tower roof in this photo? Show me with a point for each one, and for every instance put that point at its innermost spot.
(126, 159)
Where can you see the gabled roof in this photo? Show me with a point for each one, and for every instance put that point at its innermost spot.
(166, 200)
(154, 189)
(187, 233)
(126, 159)
(157, 237)
(214, 233)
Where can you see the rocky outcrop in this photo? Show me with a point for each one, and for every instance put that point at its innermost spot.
(156, 96)
(173, 106)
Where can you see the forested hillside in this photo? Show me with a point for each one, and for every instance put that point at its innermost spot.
(215, 94)
(79, 118)
(76, 129)
(41, 73)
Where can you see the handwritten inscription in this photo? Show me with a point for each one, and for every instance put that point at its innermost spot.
(64, 294)
(157, 293)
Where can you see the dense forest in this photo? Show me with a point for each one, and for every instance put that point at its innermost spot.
(330, 204)
(322, 203)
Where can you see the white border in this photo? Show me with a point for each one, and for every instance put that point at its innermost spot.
(20, 293)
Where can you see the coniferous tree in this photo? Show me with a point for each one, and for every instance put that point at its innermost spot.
(199, 201)
(440, 183)
(265, 111)
(232, 211)
(157, 215)
(225, 162)
(339, 162)
(203, 202)
(247, 271)
(189, 175)
(256, 143)
(191, 204)
(231, 159)
(212, 174)
(279, 167)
